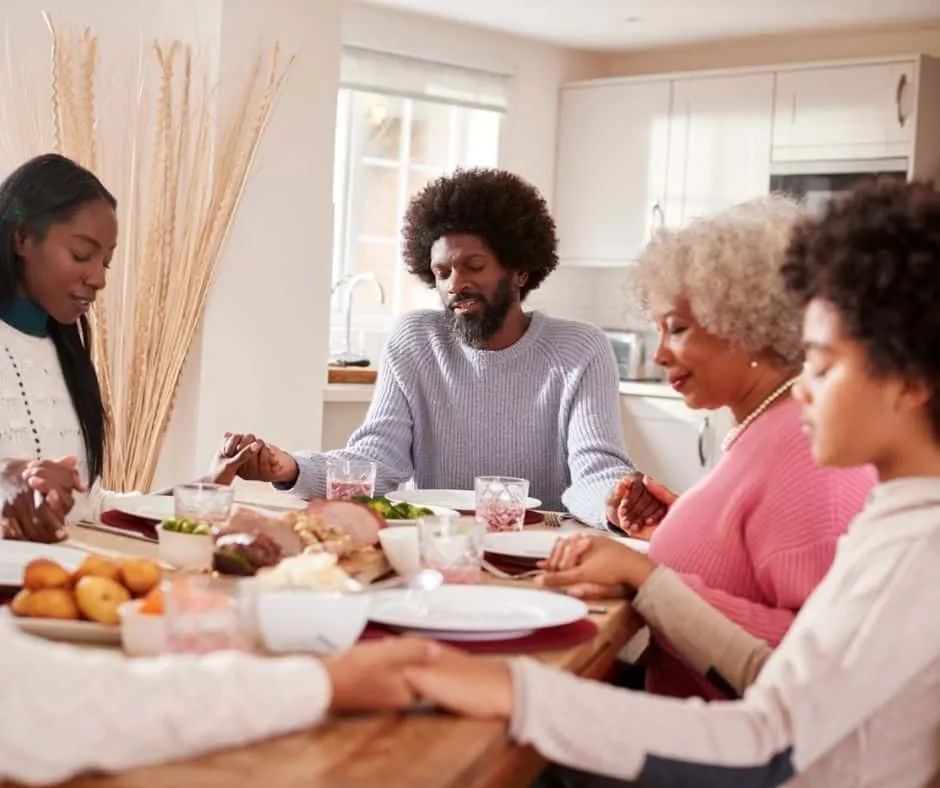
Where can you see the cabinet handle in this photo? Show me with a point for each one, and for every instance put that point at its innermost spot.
(701, 441)
(902, 83)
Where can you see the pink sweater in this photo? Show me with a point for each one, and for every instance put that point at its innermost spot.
(755, 536)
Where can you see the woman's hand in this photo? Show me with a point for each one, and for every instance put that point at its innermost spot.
(246, 456)
(463, 684)
(56, 481)
(235, 452)
(372, 676)
(637, 504)
(594, 567)
(36, 498)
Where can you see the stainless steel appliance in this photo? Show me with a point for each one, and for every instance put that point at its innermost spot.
(629, 349)
(816, 182)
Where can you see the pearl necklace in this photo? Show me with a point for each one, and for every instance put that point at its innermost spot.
(774, 395)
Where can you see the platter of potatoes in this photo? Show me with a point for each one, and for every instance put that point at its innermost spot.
(81, 605)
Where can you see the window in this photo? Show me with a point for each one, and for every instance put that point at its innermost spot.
(390, 142)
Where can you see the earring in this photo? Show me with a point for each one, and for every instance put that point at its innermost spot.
(753, 364)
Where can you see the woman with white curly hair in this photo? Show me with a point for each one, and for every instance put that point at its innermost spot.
(757, 534)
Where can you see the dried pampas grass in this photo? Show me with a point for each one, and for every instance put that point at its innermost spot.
(178, 172)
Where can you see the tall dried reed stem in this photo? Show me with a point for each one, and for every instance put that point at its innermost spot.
(179, 174)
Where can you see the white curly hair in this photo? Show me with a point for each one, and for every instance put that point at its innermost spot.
(728, 268)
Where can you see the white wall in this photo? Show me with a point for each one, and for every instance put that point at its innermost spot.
(259, 362)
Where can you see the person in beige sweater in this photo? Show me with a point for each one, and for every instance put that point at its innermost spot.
(850, 696)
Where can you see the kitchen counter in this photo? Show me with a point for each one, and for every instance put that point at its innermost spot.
(648, 388)
(363, 392)
(348, 392)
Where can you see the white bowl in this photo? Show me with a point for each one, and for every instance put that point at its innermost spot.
(142, 634)
(320, 622)
(400, 545)
(192, 552)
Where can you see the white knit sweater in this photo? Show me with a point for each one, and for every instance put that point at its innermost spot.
(37, 418)
(67, 711)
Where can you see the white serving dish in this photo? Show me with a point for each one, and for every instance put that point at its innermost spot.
(86, 632)
(401, 548)
(191, 552)
(319, 622)
(142, 634)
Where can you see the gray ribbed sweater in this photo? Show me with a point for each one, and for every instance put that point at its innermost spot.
(546, 409)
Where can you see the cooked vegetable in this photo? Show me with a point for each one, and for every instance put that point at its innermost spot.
(394, 511)
(183, 526)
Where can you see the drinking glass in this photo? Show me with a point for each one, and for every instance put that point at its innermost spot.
(203, 503)
(205, 614)
(453, 545)
(347, 479)
(500, 502)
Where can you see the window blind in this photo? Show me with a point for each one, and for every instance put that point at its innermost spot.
(399, 75)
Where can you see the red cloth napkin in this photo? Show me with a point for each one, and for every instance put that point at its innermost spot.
(131, 523)
(510, 565)
(550, 639)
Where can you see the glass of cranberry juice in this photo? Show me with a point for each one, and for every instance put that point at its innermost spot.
(347, 479)
(500, 502)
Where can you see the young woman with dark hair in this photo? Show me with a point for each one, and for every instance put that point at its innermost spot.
(58, 232)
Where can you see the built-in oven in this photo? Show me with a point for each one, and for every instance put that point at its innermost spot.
(814, 183)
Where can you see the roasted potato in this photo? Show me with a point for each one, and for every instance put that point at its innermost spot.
(98, 598)
(50, 603)
(42, 573)
(140, 575)
(97, 566)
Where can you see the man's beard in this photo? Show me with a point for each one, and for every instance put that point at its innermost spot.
(477, 328)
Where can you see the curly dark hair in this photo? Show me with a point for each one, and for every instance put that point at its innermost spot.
(875, 255)
(505, 211)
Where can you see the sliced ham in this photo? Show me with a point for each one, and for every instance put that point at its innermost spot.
(356, 519)
(251, 521)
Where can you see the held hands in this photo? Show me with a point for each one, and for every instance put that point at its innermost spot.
(36, 498)
(637, 504)
(246, 456)
(594, 567)
(398, 672)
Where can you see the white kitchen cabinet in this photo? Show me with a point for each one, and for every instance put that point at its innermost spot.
(669, 441)
(611, 170)
(845, 112)
(720, 133)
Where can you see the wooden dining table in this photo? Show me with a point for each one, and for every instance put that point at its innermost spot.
(414, 749)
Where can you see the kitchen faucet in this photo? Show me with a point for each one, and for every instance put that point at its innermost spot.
(347, 358)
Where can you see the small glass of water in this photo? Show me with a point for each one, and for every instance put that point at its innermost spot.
(347, 479)
(452, 545)
(203, 503)
(500, 502)
(205, 614)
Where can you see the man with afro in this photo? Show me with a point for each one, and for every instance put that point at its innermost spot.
(483, 387)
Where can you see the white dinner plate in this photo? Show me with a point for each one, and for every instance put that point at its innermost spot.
(461, 500)
(14, 556)
(474, 612)
(67, 631)
(160, 507)
(535, 545)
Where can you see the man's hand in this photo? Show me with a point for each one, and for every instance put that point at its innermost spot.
(244, 455)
